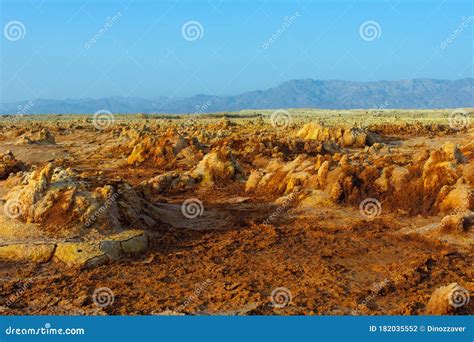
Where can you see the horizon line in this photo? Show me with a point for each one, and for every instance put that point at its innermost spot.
(244, 92)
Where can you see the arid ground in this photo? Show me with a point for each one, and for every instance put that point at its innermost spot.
(297, 212)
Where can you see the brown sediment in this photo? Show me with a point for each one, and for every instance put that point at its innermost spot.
(347, 219)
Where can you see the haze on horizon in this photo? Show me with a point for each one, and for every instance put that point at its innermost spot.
(181, 48)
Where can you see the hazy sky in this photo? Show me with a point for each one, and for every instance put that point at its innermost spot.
(73, 49)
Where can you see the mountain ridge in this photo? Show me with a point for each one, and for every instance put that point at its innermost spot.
(421, 93)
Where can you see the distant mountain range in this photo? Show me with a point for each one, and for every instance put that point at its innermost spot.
(307, 93)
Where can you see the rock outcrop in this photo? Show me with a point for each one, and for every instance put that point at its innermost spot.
(60, 200)
(44, 137)
(459, 223)
(9, 164)
(169, 151)
(447, 299)
(346, 137)
(80, 254)
(218, 166)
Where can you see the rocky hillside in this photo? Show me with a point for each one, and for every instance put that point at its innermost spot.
(308, 93)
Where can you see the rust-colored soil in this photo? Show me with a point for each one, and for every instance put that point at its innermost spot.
(324, 255)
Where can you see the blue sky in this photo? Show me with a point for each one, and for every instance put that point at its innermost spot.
(143, 51)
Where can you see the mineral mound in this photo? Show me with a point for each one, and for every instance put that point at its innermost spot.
(311, 216)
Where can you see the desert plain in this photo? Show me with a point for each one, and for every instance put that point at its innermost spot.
(291, 212)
